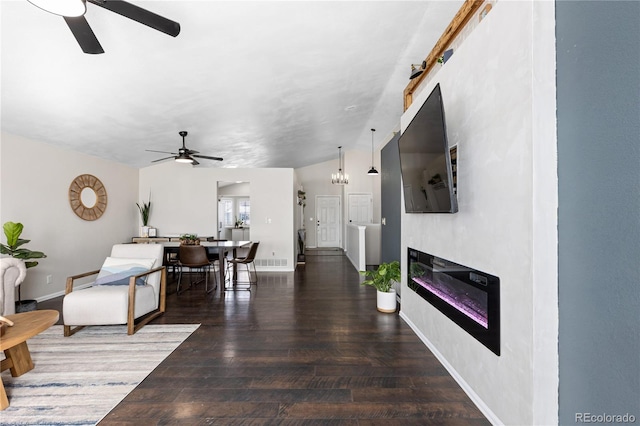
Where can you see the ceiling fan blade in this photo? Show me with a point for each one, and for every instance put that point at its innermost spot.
(195, 162)
(141, 15)
(84, 34)
(162, 159)
(191, 151)
(207, 157)
(163, 152)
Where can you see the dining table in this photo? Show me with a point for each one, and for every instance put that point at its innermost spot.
(220, 248)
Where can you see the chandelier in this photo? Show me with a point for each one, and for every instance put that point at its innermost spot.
(339, 178)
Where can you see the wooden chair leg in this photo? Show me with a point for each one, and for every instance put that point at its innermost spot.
(70, 331)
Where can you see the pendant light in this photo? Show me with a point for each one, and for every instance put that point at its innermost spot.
(339, 178)
(372, 171)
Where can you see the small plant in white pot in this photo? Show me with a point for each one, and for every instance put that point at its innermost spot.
(145, 211)
(382, 279)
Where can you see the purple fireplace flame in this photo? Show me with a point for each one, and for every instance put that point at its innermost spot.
(468, 297)
(471, 302)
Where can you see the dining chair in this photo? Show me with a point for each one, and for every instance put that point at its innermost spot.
(171, 261)
(249, 259)
(213, 257)
(194, 257)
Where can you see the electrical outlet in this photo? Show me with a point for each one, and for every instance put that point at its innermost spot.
(49, 279)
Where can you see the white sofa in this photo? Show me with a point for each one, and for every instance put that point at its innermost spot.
(12, 274)
(118, 304)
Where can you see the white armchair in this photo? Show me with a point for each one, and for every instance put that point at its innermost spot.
(12, 273)
(119, 304)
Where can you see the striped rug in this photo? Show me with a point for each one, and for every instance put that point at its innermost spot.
(77, 380)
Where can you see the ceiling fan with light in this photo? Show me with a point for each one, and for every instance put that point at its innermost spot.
(184, 154)
(73, 13)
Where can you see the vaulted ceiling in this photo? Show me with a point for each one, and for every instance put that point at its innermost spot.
(261, 84)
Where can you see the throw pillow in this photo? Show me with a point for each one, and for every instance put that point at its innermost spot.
(118, 270)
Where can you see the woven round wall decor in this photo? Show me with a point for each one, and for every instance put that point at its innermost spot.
(83, 211)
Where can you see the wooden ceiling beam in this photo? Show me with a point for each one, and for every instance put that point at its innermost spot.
(459, 21)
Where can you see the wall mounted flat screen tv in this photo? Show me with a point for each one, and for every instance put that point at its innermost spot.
(425, 160)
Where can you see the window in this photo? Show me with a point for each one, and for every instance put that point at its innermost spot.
(226, 211)
(244, 211)
(233, 209)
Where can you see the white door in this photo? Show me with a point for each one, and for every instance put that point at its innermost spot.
(360, 208)
(328, 220)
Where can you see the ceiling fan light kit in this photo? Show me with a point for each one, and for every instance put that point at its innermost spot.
(73, 12)
(62, 7)
(184, 154)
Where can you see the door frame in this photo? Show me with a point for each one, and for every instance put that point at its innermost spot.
(339, 221)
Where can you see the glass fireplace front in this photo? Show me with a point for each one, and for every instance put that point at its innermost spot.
(468, 297)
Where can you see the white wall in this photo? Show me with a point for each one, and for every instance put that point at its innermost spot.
(34, 190)
(498, 115)
(316, 180)
(241, 189)
(184, 200)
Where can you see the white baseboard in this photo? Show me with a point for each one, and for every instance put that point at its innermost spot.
(475, 398)
(60, 293)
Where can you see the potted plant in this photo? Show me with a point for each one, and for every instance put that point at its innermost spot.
(382, 279)
(189, 239)
(239, 222)
(145, 210)
(14, 248)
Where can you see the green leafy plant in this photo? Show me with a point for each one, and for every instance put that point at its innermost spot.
(145, 210)
(14, 245)
(382, 278)
(189, 239)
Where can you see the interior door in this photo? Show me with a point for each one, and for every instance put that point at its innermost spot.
(360, 208)
(328, 221)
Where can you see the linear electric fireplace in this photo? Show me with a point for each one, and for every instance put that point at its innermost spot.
(468, 297)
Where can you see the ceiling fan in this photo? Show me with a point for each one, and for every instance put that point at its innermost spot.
(184, 154)
(73, 13)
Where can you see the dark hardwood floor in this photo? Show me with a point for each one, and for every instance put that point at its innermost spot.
(307, 347)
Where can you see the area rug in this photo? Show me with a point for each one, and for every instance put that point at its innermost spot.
(77, 380)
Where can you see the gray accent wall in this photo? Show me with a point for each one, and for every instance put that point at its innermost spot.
(391, 203)
(598, 111)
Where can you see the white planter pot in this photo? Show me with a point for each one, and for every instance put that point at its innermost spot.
(144, 231)
(386, 302)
